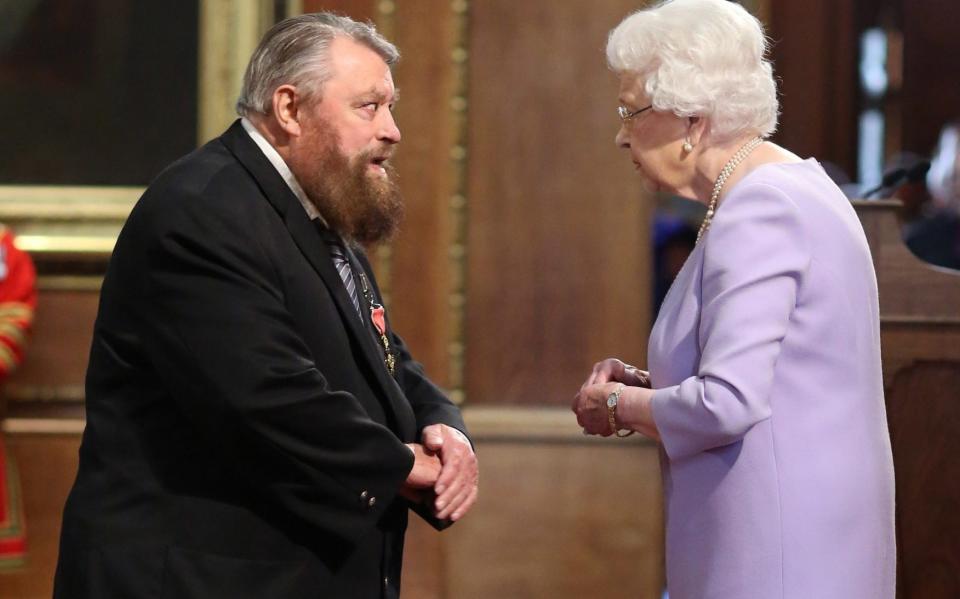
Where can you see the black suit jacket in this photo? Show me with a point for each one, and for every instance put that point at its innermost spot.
(244, 438)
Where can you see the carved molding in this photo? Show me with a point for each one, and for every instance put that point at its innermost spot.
(459, 54)
(66, 221)
(43, 426)
(486, 424)
(534, 425)
(15, 392)
(229, 32)
(385, 20)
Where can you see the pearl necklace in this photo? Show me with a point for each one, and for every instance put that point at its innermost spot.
(728, 169)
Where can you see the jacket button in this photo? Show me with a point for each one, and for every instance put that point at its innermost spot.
(363, 496)
(386, 582)
(372, 502)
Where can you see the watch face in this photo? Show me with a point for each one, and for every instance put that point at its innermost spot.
(612, 400)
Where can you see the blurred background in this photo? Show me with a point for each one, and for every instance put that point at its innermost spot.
(530, 249)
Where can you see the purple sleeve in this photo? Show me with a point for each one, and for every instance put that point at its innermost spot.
(754, 259)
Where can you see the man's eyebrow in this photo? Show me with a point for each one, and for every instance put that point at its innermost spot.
(379, 95)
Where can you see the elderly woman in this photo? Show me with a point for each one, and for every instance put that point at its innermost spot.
(764, 384)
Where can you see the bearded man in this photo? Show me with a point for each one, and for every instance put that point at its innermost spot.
(255, 428)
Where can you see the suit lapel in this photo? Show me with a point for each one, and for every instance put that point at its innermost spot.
(406, 422)
(315, 250)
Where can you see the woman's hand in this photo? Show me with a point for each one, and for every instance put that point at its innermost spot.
(590, 406)
(634, 410)
(614, 370)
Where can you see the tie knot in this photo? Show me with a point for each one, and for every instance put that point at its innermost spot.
(336, 249)
(332, 240)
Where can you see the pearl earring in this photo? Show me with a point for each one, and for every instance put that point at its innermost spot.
(687, 146)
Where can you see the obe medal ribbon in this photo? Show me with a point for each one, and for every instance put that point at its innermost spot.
(378, 318)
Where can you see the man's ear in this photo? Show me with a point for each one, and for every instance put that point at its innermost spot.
(696, 129)
(286, 109)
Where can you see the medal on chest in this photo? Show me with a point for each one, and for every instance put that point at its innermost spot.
(379, 319)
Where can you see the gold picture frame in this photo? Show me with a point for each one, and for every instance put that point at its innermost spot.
(70, 224)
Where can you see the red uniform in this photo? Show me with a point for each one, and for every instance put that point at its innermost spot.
(18, 299)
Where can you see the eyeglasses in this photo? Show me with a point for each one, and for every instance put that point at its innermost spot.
(625, 115)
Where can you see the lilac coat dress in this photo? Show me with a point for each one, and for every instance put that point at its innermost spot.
(766, 359)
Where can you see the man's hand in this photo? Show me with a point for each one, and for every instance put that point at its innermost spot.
(424, 474)
(457, 486)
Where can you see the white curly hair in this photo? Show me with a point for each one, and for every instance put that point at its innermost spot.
(702, 58)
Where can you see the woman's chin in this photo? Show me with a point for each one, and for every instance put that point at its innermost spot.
(651, 185)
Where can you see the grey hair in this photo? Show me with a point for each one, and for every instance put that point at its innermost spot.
(943, 178)
(701, 58)
(295, 51)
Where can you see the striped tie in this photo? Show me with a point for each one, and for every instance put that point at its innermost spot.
(342, 264)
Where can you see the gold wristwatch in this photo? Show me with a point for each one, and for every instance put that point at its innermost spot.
(612, 400)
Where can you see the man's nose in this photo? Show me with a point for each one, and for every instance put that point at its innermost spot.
(388, 131)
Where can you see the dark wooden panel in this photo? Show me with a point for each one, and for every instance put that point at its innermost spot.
(814, 54)
(55, 362)
(558, 240)
(424, 561)
(420, 274)
(925, 431)
(48, 465)
(931, 61)
(920, 337)
(900, 274)
(361, 10)
(78, 57)
(574, 528)
(561, 520)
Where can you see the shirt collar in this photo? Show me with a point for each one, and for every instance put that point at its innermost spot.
(277, 161)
